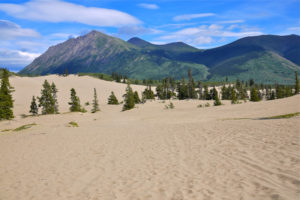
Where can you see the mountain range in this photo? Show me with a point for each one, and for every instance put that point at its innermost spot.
(265, 58)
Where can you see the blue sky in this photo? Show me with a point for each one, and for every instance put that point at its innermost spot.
(29, 27)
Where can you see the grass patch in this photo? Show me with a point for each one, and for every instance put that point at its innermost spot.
(73, 124)
(6, 130)
(237, 118)
(283, 116)
(26, 126)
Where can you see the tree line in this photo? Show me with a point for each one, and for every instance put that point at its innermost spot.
(167, 88)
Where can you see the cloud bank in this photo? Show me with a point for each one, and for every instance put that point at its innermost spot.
(10, 30)
(16, 57)
(61, 11)
(205, 34)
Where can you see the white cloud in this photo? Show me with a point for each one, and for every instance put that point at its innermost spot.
(175, 26)
(137, 30)
(205, 34)
(295, 29)
(149, 6)
(192, 16)
(10, 30)
(232, 21)
(61, 11)
(16, 57)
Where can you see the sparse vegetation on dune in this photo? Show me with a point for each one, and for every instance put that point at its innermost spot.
(73, 124)
(26, 126)
(285, 116)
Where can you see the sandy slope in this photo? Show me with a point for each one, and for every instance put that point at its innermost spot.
(149, 153)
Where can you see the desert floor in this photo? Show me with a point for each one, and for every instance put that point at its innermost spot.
(224, 152)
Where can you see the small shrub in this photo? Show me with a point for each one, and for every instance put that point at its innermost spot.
(170, 106)
(73, 124)
(199, 106)
(207, 105)
(26, 126)
(87, 103)
(6, 130)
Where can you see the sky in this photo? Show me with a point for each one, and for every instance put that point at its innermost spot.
(29, 27)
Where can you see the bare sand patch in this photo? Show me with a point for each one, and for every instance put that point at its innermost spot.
(148, 152)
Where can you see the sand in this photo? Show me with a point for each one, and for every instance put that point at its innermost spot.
(149, 152)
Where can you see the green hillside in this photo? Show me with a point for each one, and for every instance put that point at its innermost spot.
(266, 58)
(262, 67)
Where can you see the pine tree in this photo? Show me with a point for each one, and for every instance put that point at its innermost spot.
(46, 100)
(254, 94)
(6, 101)
(75, 102)
(182, 90)
(66, 72)
(297, 86)
(233, 96)
(206, 95)
(279, 92)
(54, 96)
(95, 102)
(33, 107)
(112, 99)
(217, 101)
(191, 86)
(272, 97)
(148, 93)
(129, 99)
(137, 99)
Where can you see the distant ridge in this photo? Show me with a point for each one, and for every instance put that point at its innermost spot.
(265, 58)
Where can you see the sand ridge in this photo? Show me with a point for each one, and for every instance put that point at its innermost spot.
(149, 152)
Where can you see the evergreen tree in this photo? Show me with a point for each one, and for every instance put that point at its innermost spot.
(279, 92)
(233, 96)
(46, 100)
(182, 90)
(288, 91)
(112, 99)
(206, 95)
(137, 99)
(272, 97)
(54, 96)
(6, 101)
(217, 101)
(160, 92)
(251, 82)
(148, 93)
(95, 102)
(129, 99)
(297, 86)
(254, 96)
(226, 92)
(191, 86)
(66, 72)
(33, 107)
(75, 102)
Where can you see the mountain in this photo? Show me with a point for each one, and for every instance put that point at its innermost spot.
(179, 47)
(266, 58)
(97, 52)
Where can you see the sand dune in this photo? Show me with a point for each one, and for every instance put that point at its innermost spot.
(149, 152)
